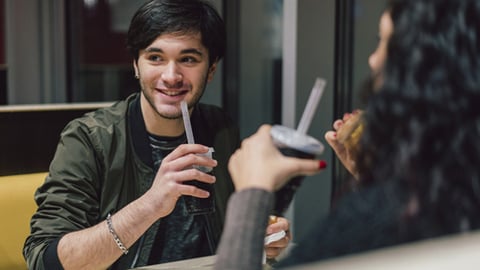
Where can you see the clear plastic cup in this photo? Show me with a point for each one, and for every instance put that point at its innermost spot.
(196, 205)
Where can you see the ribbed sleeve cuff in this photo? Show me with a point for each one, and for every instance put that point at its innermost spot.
(50, 257)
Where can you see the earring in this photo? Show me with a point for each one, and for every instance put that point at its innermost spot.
(137, 77)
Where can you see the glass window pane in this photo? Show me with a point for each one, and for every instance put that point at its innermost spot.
(260, 61)
(100, 65)
(3, 64)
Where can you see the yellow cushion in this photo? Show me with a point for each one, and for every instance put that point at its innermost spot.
(17, 207)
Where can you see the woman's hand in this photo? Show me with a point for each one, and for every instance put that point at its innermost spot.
(258, 163)
(343, 151)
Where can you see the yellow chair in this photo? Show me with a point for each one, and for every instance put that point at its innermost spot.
(16, 207)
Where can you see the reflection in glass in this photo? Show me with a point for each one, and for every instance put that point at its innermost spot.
(260, 59)
(100, 66)
(3, 65)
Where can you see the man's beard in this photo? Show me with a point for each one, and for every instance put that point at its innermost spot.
(178, 114)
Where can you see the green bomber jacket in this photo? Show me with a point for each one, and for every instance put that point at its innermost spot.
(103, 162)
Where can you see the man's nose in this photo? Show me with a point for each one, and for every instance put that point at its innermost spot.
(172, 74)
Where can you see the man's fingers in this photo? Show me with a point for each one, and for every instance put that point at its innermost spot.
(281, 243)
(272, 253)
(191, 190)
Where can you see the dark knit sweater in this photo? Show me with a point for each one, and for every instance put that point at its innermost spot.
(363, 220)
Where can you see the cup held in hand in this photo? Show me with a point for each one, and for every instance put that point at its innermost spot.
(294, 144)
(196, 205)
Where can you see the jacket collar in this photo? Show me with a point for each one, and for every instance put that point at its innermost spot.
(138, 131)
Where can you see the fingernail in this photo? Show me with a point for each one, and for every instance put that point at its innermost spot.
(335, 135)
(322, 164)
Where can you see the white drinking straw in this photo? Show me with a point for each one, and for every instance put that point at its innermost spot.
(311, 107)
(186, 122)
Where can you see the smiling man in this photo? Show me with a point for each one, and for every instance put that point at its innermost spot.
(117, 194)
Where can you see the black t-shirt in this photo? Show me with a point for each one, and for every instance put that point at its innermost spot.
(180, 235)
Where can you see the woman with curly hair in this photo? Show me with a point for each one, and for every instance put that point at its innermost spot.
(419, 154)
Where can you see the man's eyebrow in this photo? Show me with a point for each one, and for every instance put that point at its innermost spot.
(186, 51)
(192, 51)
(154, 49)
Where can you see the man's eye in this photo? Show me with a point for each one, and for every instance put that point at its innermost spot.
(155, 58)
(189, 60)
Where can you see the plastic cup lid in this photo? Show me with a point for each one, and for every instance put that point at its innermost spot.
(287, 137)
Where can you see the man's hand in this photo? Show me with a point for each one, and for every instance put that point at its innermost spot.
(176, 168)
(277, 224)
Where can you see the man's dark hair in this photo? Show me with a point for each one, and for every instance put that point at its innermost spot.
(158, 17)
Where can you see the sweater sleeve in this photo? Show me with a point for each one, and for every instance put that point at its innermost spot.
(242, 242)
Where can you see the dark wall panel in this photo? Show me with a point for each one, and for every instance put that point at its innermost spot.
(28, 139)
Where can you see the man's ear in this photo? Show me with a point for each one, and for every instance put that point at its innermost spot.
(211, 71)
(135, 67)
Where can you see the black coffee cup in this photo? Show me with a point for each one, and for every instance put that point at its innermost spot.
(293, 144)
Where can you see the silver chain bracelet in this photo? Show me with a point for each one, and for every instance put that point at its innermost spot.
(117, 240)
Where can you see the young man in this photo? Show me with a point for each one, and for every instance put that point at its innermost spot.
(116, 195)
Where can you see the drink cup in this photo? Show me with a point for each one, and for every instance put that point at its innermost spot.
(292, 143)
(196, 205)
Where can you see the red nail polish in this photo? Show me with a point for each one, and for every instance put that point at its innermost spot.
(335, 135)
(322, 164)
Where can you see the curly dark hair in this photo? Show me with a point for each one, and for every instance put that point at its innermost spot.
(157, 17)
(423, 126)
